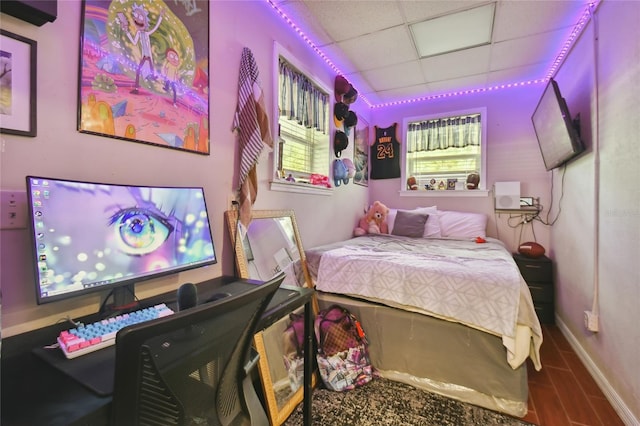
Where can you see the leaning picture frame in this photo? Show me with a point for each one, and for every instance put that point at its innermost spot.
(144, 72)
(18, 60)
(361, 153)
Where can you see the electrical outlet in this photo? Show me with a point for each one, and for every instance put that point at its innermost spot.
(13, 209)
(591, 321)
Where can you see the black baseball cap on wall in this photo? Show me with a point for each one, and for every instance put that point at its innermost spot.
(340, 142)
(340, 111)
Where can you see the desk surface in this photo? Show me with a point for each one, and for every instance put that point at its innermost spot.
(35, 393)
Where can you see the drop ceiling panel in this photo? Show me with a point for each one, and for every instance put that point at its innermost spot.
(398, 76)
(516, 19)
(415, 11)
(403, 93)
(344, 20)
(526, 51)
(457, 64)
(458, 84)
(380, 49)
(517, 75)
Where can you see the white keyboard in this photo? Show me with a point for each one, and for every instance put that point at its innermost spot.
(85, 339)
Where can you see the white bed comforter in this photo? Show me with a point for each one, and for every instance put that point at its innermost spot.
(476, 284)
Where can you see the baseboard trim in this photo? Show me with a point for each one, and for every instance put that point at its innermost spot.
(616, 402)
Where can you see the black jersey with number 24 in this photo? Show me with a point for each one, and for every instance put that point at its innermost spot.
(385, 154)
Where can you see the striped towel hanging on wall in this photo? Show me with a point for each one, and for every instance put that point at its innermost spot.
(252, 124)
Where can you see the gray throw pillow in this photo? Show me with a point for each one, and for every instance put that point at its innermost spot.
(409, 223)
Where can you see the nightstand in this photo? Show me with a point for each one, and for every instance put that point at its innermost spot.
(538, 274)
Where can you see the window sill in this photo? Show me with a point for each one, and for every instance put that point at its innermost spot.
(461, 193)
(300, 188)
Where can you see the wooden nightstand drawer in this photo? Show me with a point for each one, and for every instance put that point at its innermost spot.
(545, 313)
(541, 292)
(538, 269)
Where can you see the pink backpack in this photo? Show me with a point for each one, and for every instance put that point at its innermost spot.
(343, 351)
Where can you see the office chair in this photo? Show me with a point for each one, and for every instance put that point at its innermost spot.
(192, 368)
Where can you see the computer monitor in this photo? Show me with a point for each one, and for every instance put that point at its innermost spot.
(90, 236)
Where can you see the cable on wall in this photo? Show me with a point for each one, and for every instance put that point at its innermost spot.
(596, 172)
(547, 221)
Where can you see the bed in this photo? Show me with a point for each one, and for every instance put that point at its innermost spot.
(443, 305)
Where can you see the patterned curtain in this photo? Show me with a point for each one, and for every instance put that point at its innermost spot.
(452, 132)
(301, 100)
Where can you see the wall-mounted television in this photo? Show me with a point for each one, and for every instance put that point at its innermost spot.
(92, 236)
(558, 134)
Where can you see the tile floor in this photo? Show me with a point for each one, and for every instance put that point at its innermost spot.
(563, 393)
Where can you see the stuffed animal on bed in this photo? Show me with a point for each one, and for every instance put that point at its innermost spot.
(374, 221)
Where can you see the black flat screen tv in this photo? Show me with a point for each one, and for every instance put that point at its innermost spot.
(558, 135)
(92, 236)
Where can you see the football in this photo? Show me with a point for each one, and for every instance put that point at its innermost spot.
(531, 249)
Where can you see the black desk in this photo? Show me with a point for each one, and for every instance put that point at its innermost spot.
(35, 393)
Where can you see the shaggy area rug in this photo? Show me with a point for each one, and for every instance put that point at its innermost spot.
(385, 402)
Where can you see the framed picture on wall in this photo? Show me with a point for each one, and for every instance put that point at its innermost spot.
(144, 72)
(361, 153)
(18, 56)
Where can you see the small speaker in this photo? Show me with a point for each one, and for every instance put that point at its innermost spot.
(507, 195)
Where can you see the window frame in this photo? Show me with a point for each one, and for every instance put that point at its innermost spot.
(482, 189)
(277, 182)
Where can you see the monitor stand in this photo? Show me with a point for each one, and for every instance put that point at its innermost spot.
(123, 299)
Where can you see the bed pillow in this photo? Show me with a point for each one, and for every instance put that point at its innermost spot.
(432, 228)
(457, 224)
(391, 218)
(409, 223)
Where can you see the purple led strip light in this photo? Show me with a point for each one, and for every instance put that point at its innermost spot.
(552, 70)
(572, 38)
(312, 44)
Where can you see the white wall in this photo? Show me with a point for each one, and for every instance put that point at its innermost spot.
(598, 240)
(60, 151)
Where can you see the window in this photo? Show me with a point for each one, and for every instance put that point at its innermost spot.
(441, 151)
(303, 137)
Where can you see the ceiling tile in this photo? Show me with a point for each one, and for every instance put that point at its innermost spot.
(415, 11)
(398, 76)
(380, 49)
(517, 74)
(528, 50)
(409, 92)
(457, 64)
(458, 84)
(515, 19)
(300, 14)
(344, 20)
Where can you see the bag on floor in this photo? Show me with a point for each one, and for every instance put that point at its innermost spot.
(343, 351)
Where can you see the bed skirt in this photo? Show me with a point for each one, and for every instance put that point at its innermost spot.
(440, 356)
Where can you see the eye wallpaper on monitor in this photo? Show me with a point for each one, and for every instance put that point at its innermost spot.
(90, 235)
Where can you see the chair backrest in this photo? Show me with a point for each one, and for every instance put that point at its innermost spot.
(188, 368)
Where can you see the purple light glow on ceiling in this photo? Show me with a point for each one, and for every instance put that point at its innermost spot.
(566, 48)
